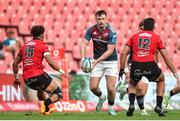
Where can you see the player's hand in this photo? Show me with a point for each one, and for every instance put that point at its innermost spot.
(16, 84)
(121, 72)
(82, 59)
(93, 64)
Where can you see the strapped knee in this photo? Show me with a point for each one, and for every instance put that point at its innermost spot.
(58, 92)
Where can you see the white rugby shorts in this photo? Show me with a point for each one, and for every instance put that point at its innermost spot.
(105, 68)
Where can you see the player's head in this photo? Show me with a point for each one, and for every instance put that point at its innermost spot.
(101, 16)
(10, 33)
(37, 31)
(149, 24)
(141, 25)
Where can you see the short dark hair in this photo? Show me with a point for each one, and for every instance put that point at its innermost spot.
(149, 24)
(37, 30)
(141, 23)
(100, 12)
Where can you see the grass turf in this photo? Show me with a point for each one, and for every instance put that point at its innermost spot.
(170, 115)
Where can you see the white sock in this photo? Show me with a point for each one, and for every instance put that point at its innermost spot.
(110, 107)
(102, 96)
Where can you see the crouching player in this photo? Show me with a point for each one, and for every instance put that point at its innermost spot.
(32, 55)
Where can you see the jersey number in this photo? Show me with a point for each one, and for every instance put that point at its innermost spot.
(29, 51)
(144, 43)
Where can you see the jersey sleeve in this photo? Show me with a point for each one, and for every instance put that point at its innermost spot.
(129, 42)
(112, 38)
(160, 44)
(45, 48)
(88, 34)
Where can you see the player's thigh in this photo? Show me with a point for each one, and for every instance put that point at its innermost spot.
(141, 88)
(111, 82)
(41, 95)
(94, 82)
(111, 68)
(132, 87)
(143, 84)
(98, 70)
(40, 82)
(47, 83)
(155, 72)
(96, 75)
(52, 86)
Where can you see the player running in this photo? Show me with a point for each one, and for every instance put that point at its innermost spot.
(105, 59)
(32, 55)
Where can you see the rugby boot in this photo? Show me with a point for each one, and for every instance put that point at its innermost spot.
(130, 110)
(159, 111)
(100, 103)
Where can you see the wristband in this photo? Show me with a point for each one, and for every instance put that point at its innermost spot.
(159, 64)
(61, 71)
(126, 70)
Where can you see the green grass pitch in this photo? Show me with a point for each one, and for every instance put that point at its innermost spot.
(170, 115)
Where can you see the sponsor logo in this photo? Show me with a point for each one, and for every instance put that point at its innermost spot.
(9, 93)
(145, 34)
(74, 106)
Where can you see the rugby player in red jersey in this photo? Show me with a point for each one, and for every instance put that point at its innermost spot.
(32, 55)
(142, 85)
(144, 46)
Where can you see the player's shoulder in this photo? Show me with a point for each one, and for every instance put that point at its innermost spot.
(156, 35)
(92, 27)
(111, 28)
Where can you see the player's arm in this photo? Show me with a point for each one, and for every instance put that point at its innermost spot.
(109, 51)
(123, 57)
(54, 65)
(84, 44)
(169, 63)
(16, 62)
(157, 59)
(111, 44)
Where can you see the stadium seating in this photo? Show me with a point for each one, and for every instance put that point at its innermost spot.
(66, 20)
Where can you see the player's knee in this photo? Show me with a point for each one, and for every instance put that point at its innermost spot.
(58, 92)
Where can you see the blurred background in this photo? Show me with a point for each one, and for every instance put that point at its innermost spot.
(66, 21)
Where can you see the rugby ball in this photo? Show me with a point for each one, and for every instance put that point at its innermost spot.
(86, 65)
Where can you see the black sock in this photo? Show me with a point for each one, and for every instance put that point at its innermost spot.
(159, 101)
(99, 94)
(171, 93)
(47, 102)
(140, 101)
(127, 90)
(111, 103)
(132, 98)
